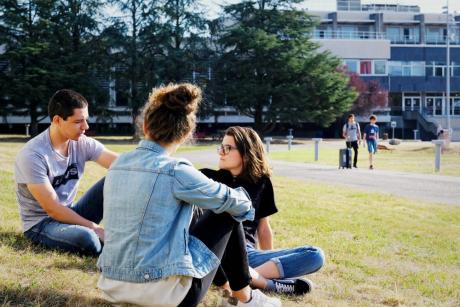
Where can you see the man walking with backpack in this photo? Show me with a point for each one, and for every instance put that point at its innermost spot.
(352, 134)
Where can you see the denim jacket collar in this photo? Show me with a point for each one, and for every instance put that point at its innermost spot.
(152, 145)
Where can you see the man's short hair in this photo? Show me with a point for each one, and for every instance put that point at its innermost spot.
(373, 117)
(63, 102)
(350, 116)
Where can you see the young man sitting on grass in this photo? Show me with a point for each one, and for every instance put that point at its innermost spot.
(47, 172)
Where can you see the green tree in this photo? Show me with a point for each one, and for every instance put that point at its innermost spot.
(271, 70)
(136, 61)
(185, 49)
(47, 48)
(26, 34)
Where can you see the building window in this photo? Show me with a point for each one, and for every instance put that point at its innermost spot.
(410, 69)
(380, 67)
(435, 35)
(418, 69)
(351, 65)
(393, 34)
(403, 35)
(406, 69)
(395, 68)
(435, 69)
(365, 67)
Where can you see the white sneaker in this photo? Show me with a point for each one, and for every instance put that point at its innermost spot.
(258, 299)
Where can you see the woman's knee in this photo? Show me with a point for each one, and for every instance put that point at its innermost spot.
(315, 256)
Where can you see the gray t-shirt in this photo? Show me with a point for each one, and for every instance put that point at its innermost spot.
(38, 162)
(351, 131)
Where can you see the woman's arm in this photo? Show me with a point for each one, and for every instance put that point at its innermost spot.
(265, 234)
(191, 186)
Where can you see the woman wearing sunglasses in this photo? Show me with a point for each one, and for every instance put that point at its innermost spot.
(153, 256)
(243, 163)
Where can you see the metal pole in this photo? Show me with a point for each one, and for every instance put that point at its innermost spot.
(448, 70)
(317, 140)
(437, 157)
(267, 143)
(289, 137)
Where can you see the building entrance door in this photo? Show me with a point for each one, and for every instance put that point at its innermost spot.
(412, 104)
(438, 106)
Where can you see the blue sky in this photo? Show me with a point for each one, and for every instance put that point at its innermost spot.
(427, 6)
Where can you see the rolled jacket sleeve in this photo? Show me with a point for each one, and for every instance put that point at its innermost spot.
(191, 186)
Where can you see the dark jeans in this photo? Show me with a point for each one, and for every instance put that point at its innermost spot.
(355, 147)
(222, 235)
(73, 238)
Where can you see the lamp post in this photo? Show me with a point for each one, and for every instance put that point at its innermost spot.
(446, 11)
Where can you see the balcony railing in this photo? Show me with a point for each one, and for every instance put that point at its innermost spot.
(370, 35)
(441, 40)
(327, 34)
(404, 39)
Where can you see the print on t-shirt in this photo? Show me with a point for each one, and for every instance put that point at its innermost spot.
(70, 173)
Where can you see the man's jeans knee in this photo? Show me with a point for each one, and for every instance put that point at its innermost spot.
(73, 238)
(69, 238)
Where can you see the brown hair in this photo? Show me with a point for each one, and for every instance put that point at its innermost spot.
(373, 117)
(169, 114)
(63, 102)
(251, 149)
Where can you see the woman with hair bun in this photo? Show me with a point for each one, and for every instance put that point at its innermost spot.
(153, 256)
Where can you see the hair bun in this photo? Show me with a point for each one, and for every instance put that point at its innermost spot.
(183, 98)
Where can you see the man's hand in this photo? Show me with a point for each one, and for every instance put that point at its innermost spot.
(99, 230)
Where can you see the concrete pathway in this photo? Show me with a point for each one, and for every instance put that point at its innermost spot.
(424, 187)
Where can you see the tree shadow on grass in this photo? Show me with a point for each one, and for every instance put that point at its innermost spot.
(19, 243)
(25, 296)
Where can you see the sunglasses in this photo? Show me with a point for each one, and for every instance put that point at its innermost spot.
(225, 149)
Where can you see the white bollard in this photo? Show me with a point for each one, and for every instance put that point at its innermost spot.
(415, 134)
(437, 156)
(317, 140)
(27, 129)
(267, 140)
(289, 137)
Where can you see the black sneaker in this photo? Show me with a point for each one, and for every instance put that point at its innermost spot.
(296, 286)
(355, 166)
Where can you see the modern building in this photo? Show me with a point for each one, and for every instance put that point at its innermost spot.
(405, 51)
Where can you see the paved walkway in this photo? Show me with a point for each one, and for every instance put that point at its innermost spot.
(424, 187)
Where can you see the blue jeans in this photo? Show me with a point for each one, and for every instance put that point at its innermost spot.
(73, 238)
(292, 262)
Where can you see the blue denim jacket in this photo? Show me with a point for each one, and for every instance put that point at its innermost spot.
(148, 204)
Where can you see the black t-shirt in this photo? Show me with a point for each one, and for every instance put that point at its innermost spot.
(261, 193)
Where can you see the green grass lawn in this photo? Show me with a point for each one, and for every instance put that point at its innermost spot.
(381, 250)
(407, 157)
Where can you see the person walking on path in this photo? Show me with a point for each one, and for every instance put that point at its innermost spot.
(352, 134)
(371, 135)
(47, 171)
